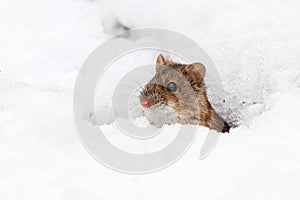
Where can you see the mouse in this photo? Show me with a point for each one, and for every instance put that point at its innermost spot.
(178, 94)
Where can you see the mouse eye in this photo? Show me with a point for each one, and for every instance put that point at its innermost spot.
(171, 87)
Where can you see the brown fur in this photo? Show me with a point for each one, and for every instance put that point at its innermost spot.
(190, 100)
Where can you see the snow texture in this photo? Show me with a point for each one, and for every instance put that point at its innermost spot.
(255, 46)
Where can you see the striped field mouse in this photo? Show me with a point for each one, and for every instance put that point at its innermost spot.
(177, 94)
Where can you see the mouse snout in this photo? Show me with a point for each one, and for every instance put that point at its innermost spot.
(146, 102)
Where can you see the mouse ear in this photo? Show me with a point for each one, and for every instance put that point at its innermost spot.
(196, 71)
(161, 61)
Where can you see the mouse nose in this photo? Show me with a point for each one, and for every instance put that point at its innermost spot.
(146, 102)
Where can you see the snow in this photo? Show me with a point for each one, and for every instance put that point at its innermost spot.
(255, 47)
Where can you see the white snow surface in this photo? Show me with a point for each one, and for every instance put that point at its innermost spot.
(255, 46)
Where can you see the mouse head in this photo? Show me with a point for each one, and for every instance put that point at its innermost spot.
(173, 87)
